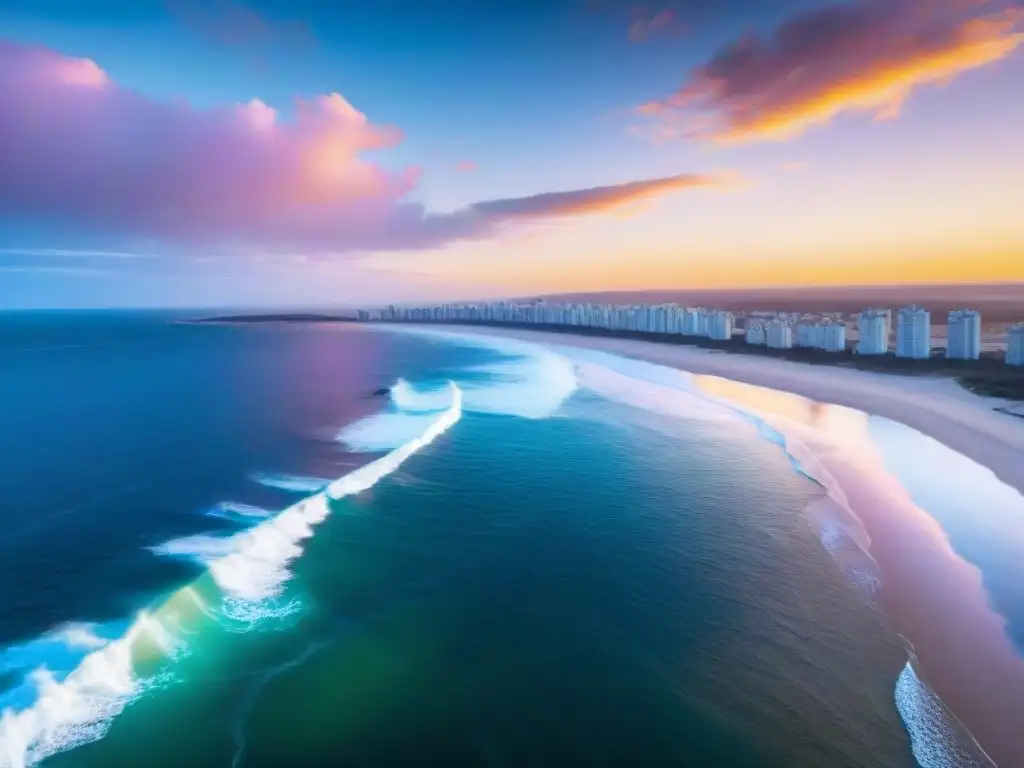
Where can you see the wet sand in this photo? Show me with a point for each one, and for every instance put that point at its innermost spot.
(934, 598)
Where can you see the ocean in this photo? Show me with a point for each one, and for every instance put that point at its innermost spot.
(313, 545)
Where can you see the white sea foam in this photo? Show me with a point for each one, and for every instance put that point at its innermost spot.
(411, 400)
(293, 483)
(80, 635)
(668, 395)
(249, 568)
(200, 547)
(78, 708)
(531, 381)
(235, 512)
(935, 738)
(384, 431)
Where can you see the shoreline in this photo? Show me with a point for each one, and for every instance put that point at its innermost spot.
(936, 600)
(937, 407)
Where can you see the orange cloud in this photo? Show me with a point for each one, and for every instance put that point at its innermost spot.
(864, 56)
(596, 199)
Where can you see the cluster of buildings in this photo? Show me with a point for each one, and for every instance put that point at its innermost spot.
(774, 330)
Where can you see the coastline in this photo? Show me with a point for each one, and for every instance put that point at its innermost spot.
(937, 407)
(893, 550)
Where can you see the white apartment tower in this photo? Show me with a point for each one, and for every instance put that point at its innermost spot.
(755, 332)
(913, 333)
(964, 335)
(833, 337)
(1015, 345)
(779, 334)
(873, 332)
(720, 325)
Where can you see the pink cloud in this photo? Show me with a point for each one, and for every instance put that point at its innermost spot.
(466, 166)
(76, 148)
(82, 153)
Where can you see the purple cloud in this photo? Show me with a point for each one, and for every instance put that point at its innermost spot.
(78, 151)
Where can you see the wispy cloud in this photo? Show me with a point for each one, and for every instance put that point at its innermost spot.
(859, 56)
(465, 166)
(65, 253)
(595, 199)
(235, 24)
(648, 23)
(230, 180)
(52, 270)
(795, 165)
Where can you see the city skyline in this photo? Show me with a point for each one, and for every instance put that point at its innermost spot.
(271, 153)
(877, 335)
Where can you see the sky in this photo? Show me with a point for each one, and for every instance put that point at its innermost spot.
(293, 153)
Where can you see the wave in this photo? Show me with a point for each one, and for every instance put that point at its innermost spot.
(383, 431)
(236, 512)
(248, 569)
(936, 736)
(411, 400)
(77, 708)
(530, 381)
(668, 397)
(292, 483)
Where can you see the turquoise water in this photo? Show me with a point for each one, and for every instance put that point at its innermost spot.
(580, 569)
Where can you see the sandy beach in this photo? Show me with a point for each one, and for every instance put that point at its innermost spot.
(935, 406)
(934, 598)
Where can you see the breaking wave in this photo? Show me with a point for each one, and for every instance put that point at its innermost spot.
(530, 380)
(292, 483)
(936, 738)
(411, 400)
(58, 709)
(236, 512)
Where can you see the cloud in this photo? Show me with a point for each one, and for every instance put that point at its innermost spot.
(465, 166)
(860, 56)
(795, 165)
(52, 270)
(235, 24)
(646, 23)
(67, 253)
(80, 154)
(592, 200)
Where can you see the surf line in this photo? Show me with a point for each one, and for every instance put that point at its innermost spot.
(79, 708)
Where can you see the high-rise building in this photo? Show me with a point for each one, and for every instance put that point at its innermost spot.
(914, 333)
(873, 332)
(755, 331)
(963, 335)
(828, 336)
(779, 334)
(1015, 345)
(833, 337)
(720, 325)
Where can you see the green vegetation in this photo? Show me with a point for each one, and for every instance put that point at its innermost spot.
(1009, 386)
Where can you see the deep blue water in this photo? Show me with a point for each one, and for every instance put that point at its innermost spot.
(576, 572)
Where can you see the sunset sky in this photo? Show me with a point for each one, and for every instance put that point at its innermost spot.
(186, 153)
